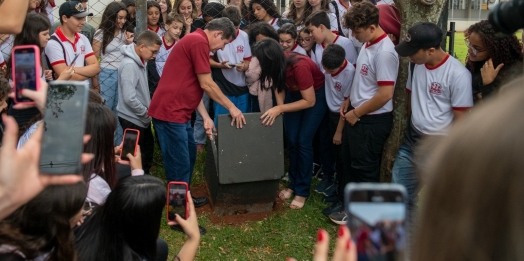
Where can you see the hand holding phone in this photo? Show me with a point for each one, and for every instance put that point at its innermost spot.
(64, 121)
(26, 71)
(377, 217)
(177, 200)
(129, 143)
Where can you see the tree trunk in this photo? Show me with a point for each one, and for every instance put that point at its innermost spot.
(411, 11)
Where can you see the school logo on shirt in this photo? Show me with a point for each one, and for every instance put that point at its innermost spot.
(338, 86)
(240, 49)
(83, 49)
(364, 70)
(435, 88)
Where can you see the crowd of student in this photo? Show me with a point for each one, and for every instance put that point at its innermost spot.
(328, 68)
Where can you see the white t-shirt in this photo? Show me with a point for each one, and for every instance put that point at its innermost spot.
(7, 46)
(55, 50)
(338, 86)
(97, 190)
(377, 65)
(298, 49)
(112, 57)
(235, 52)
(436, 92)
(162, 55)
(2, 61)
(351, 53)
(159, 31)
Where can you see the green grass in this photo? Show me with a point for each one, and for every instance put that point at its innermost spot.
(287, 233)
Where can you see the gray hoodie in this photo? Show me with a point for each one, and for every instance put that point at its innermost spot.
(133, 91)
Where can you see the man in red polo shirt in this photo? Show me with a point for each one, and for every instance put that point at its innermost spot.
(187, 75)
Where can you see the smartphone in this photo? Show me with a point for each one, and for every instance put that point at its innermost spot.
(26, 70)
(377, 219)
(129, 143)
(74, 59)
(176, 202)
(64, 127)
(234, 64)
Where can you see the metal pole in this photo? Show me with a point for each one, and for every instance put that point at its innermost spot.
(452, 8)
(141, 17)
(451, 34)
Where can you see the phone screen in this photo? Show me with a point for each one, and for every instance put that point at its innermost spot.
(177, 200)
(25, 72)
(377, 223)
(129, 144)
(64, 121)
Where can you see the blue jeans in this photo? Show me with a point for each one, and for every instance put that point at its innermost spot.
(300, 128)
(178, 149)
(108, 80)
(403, 173)
(242, 103)
(200, 133)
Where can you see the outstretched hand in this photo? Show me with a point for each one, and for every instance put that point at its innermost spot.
(189, 225)
(20, 178)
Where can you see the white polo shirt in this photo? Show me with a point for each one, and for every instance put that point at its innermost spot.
(50, 11)
(338, 86)
(55, 50)
(377, 65)
(342, 10)
(351, 53)
(274, 22)
(159, 31)
(298, 49)
(235, 52)
(162, 55)
(436, 92)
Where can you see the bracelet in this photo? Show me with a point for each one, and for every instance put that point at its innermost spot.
(355, 114)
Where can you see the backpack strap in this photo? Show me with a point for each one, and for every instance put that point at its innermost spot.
(54, 38)
(338, 17)
(411, 69)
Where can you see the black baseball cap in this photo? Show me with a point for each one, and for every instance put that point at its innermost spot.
(421, 35)
(73, 8)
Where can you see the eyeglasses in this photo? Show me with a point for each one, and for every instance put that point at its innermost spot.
(153, 52)
(474, 50)
(307, 39)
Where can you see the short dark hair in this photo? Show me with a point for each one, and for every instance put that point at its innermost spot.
(172, 17)
(288, 28)
(222, 24)
(148, 38)
(5, 88)
(233, 13)
(333, 56)
(262, 28)
(318, 18)
(361, 15)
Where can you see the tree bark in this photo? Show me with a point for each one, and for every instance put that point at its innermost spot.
(411, 11)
